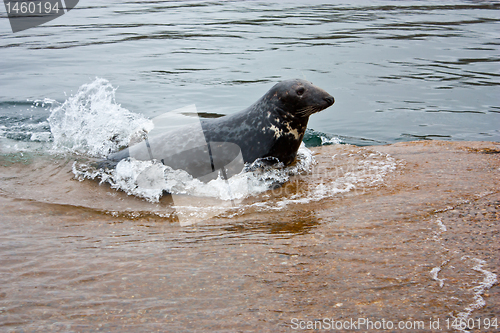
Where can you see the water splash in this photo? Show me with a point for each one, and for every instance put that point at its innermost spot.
(92, 123)
(150, 179)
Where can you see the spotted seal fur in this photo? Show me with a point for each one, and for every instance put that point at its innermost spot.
(273, 127)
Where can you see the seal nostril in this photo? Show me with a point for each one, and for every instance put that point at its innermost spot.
(330, 100)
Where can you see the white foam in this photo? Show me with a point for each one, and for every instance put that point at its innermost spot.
(41, 136)
(434, 274)
(369, 171)
(329, 141)
(149, 179)
(441, 225)
(488, 281)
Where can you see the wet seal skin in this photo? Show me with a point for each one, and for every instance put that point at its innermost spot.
(272, 128)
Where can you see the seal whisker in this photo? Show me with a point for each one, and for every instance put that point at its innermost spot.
(304, 111)
(308, 110)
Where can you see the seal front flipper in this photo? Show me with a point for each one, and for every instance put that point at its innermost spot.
(112, 160)
(105, 164)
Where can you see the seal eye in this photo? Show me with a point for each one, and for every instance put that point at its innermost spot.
(300, 91)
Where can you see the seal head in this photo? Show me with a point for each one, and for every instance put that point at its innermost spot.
(296, 101)
(275, 125)
(299, 98)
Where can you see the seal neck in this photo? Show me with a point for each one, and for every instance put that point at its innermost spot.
(270, 101)
(286, 120)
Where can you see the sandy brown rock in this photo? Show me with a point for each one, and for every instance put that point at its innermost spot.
(367, 253)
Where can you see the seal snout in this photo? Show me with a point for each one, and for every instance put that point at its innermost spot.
(329, 99)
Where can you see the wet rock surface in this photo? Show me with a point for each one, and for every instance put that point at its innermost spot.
(422, 245)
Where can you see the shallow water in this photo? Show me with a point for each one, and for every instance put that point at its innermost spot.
(349, 233)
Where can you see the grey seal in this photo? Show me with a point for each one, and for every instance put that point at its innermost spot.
(272, 128)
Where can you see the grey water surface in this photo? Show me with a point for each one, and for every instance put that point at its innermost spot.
(399, 70)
